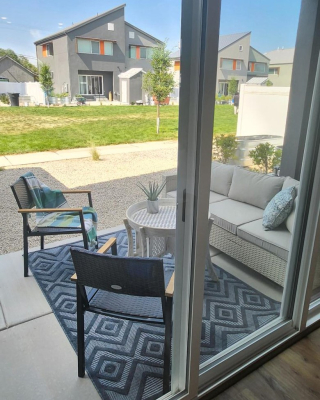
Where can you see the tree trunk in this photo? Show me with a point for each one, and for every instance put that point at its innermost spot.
(158, 116)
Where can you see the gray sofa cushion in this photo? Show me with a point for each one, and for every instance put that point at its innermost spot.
(230, 214)
(276, 241)
(214, 197)
(254, 188)
(221, 177)
(290, 220)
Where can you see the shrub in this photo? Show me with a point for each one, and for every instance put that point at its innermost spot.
(4, 98)
(94, 153)
(224, 148)
(266, 156)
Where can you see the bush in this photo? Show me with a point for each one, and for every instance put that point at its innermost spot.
(266, 156)
(224, 148)
(4, 98)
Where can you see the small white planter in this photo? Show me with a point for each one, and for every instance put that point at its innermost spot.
(152, 206)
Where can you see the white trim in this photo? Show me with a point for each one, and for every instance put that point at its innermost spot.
(87, 84)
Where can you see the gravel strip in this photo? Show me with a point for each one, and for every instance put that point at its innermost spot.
(112, 180)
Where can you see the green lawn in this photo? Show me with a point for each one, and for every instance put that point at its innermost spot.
(30, 129)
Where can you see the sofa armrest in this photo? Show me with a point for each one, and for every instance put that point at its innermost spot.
(171, 183)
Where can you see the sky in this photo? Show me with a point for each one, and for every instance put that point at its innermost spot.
(272, 23)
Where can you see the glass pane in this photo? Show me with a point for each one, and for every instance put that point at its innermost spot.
(227, 64)
(84, 46)
(133, 51)
(108, 48)
(149, 53)
(259, 67)
(82, 84)
(143, 52)
(95, 47)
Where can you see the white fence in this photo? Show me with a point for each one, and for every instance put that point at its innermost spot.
(31, 89)
(262, 110)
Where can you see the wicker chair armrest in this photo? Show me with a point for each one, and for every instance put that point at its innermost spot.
(171, 183)
(170, 287)
(49, 210)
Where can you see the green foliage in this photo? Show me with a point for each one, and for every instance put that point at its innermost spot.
(266, 157)
(20, 59)
(45, 79)
(152, 192)
(94, 153)
(269, 83)
(159, 82)
(224, 148)
(4, 98)
(233, 86)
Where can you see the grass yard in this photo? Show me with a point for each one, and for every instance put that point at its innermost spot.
(31, 129)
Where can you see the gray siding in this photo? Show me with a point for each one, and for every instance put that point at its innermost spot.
(14, 72)
(58, 63)
(135, 88)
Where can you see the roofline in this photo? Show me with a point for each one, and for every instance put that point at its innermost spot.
(244, 35)
(22, 66)
(143, 32)
(261, 54)
(78, 25)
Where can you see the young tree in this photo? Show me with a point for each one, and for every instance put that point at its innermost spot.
(266, 156)
(45, 80)
(233, 86)
(159, 82)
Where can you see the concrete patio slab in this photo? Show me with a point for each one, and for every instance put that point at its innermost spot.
(31, 158)
(21, 298)
(38, 362)
(4, 162)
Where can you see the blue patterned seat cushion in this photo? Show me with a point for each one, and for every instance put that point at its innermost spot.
(279, 208)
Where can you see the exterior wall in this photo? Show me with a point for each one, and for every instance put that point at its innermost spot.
(262, 110)
(255, 56)
(139, 40)
(284, 77)
(14, 72)
(233, 52)
(58, 64)
(31, 89)
(97, 62)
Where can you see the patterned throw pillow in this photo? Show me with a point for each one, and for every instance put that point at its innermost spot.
(279, 208)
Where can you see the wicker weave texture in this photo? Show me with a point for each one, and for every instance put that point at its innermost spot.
(23, 195)
(249, 254)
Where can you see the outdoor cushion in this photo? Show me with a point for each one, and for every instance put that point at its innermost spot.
(290, 220)
(279, 208)
(230, 214)
(276, 241)
(221, 177)
(214, 197)
(254, 188)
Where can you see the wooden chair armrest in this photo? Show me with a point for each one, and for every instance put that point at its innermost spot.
(107, 245)
(170, 287)
(48, 210)
(76, 191)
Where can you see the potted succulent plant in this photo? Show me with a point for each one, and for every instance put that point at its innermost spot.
(152, 193)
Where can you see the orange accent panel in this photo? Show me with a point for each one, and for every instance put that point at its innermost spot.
(177, 65)
(234, 67)
(137, 52)
(101, 47)
(44, 50)
(252, 67)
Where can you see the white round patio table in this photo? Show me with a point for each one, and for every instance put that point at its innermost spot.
(155, 233)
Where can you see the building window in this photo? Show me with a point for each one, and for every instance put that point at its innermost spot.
(238, 65)
(259, 67)
(146, 52)
(108, 48)
(226, 63)
(47, 50)
(110, 26)
(223, 88)
(274, 71)
(91, 84)
(240, 47)
(88, 46)
(133, 52)
(131, 35)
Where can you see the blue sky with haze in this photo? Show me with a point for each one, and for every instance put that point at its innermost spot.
(273, 23)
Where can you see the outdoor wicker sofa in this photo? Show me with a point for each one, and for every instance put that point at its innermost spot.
(238, 198)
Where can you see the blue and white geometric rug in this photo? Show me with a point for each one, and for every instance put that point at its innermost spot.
(124, 359)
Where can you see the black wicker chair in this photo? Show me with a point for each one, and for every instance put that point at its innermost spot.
(26, 206)
(120, 286)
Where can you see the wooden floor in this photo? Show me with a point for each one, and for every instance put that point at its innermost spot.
(293, 374)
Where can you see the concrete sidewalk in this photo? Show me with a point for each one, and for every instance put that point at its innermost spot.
(45, 156)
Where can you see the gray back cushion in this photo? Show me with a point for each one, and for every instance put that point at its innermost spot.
(254, 188)
(290, 220)
(221, 177)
